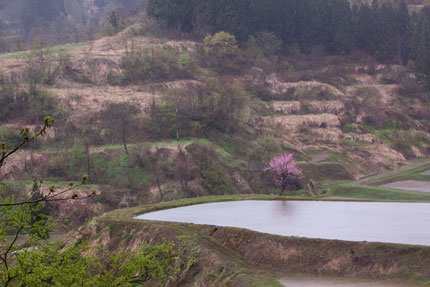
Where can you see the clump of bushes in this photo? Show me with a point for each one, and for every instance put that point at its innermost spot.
(215, 180)
(348, 128)
(404, 141)
(32, 106)
(366, 97)
(165, 64)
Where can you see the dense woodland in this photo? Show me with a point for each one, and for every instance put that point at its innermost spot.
(383, 30)
(200, 86)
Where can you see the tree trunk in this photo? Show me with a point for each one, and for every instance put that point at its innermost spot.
(177, 121)
(125, 148)
(125, 144)
(159, 189)
(282, 191)
(87, 151)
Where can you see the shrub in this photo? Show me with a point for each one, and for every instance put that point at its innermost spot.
(348, 128)
(41, 105)
(32, 105)
(366, 97)
(119, 170)
(215, 180)
(409, 87)
(219, 49)
(166, 64)
(59, 167)
(43, 66)
(15, 188)
(12, 137)
(8, 103)
(76, 159)
(263, 93)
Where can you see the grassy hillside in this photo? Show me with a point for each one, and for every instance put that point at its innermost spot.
(342, 117)
(158, 118)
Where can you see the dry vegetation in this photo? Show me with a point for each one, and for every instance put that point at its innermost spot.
(358, 118)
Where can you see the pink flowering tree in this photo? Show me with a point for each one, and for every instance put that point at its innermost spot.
(286, 170)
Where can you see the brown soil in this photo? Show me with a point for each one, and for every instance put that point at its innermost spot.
(244, 249)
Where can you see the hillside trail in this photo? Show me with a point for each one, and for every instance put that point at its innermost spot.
(407, 167)
(316, 158)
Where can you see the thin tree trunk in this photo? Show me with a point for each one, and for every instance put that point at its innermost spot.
(125, 147)
(159, 189)
(87, 150)
(282, 191)
(177, 120)
(124, 142)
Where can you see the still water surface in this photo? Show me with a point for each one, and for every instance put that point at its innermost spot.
(308, 281)
(406, 223)
(410, 185)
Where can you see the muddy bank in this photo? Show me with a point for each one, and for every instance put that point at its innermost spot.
(326, 257)
(243, 254)
(215, 265)
(350, 221)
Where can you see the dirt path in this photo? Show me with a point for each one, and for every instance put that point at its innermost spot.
(319, 157)
(413, 165)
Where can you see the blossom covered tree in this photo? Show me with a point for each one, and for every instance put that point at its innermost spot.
(286, 170)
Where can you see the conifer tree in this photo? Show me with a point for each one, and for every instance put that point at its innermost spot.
(403, 20)
(342, 27)
(423, 53)
(387, 33)
(364, 31)
(375, 26)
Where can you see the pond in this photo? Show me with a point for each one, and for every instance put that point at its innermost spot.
(309, 281)
(410, 185)
(405, 223)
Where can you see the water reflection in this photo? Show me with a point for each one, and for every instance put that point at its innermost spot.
(352, 221)
(283, 208)
(310, 281)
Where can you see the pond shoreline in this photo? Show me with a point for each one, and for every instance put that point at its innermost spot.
(323, 281)
(387, 222)
(289, 255)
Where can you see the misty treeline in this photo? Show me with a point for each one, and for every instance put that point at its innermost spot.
(384, 30)
(62, 21)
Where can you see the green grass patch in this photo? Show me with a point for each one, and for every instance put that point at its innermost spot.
(13, 56)
(401, 177)
(407, 173)
(172, 143)
(114, 146)
(67, 47)
(376, 193)
(54, 49)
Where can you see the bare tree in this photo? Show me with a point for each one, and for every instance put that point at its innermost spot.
(182, 169)
(121, 120)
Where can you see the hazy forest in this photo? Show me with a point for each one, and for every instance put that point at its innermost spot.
(110, 109)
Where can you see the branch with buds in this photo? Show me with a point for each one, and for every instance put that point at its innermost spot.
(53, 194)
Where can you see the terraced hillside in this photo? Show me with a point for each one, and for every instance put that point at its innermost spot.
(342, 117)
